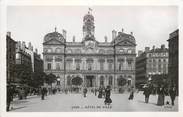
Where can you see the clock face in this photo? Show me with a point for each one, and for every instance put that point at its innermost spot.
(90, 44)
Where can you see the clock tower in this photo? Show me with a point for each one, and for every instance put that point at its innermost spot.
(88, 26)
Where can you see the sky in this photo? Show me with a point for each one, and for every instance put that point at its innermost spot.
(151, 25)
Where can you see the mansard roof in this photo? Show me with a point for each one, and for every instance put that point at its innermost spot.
(122, 37)
(54, 35)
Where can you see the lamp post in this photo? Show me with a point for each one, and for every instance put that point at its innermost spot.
(58, 81)
(149, 78)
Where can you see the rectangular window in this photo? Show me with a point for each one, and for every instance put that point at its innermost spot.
(120, 66)
(101, 66)
(77, 66)
(110, 80)
(89, 66)
(49, 66)
(57, 66)
(110, 66)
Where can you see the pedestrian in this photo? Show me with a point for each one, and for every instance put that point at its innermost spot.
(161, 96)
(172, 93)
(20, 93)
(95, 91)
(131, 94)
(43, 92)
(100, 92)
(147, 92)
(108, 100)
(103, 92)
(85, 91)
(10, 94)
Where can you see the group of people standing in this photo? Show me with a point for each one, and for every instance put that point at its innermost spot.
(102, 93)
(172, 92)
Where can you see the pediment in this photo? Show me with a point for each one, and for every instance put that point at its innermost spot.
(125, 43)
(53, 42)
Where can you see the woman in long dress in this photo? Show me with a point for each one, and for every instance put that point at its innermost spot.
(161, 96)
(108, 100)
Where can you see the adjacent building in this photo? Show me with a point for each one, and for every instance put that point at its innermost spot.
(27, 61)
(91, 63)
(151, 62)
(10, 58)
(173, 67)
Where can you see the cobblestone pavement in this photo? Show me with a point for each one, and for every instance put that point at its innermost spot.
(76, 102)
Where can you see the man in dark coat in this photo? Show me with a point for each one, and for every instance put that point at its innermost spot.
(107, 95)
(131, 94)
(147, 92)
(100, 92)
(85, 91)
(161, 96)
(43, 92)
(10, 93)
(172, 93)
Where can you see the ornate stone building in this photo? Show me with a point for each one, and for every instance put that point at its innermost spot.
(91, 63)
(151, 62)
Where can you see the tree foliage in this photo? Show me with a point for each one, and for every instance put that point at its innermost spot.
(77, 81)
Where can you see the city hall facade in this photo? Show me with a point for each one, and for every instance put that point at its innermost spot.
(90, 63)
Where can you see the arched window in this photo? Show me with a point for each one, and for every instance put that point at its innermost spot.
(110, 80)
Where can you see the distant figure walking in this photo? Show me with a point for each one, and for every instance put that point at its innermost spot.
(161, 96)
(172, 93)
(108, 100)
(95, 91)
(85, 91)
(100, 93)
(131, 94)
(43, 93)
(147, 92)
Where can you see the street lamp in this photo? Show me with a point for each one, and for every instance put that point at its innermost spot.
(58, 81)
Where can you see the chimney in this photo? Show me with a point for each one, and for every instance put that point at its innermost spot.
(122, 30)
(73, 39)
(163, 46)
(105, 37)
(113, 34)
(131, 33)
(9, 34)
(23, 45)
(19, 45)
(36, 51)
(64, 33)
(140, 52)
(29, 46)
(147, 49)
(153, 47)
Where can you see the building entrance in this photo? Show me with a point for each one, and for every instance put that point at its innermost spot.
(90, 81)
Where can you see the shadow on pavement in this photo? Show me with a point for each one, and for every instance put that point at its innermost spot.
(140, 101)
(16, 108)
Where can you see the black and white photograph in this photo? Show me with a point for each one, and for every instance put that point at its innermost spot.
(92, 58)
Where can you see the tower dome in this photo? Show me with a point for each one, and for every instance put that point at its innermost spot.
(88, 25)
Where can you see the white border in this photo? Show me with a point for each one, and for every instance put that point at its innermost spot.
(5, 3)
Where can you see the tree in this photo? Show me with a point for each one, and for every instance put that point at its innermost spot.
(77, 81)
(23, 73)
(38, 79)
(121, 81)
